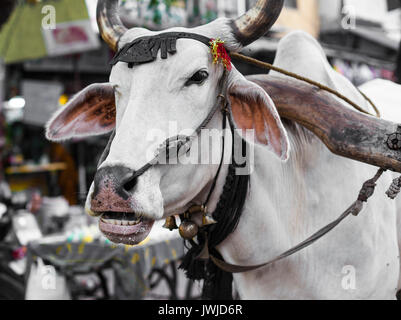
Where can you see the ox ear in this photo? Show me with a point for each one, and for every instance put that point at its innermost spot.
(91, 112)
(253, 109)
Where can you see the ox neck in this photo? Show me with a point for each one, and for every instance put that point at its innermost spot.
(227, 213)
(277, 212)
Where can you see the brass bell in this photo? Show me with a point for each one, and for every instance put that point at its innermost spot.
(170, 224)
(196, 209)
(188, 229)
(208, 220)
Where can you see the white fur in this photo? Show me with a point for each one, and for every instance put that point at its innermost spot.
(150, 96)
(288, 201)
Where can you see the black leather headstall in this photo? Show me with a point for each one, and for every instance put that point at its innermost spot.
(146, 49)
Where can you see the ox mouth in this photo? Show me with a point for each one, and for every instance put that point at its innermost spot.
(125, 228)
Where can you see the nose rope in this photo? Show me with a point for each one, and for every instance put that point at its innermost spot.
(222, 157)
(268, 66)
(106, 151)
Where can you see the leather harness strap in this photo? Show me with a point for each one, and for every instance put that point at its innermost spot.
(365, 193)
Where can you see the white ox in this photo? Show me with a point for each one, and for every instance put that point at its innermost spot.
(288, 199)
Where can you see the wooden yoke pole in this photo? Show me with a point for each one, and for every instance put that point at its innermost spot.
(344, 131)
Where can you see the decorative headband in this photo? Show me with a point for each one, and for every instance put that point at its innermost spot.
(145, 49)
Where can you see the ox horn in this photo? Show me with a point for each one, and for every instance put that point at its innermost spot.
(110, 26)
(256, 21)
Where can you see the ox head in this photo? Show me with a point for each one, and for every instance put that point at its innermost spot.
(166, 96)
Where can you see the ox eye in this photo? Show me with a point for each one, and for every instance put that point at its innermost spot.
(198, 78)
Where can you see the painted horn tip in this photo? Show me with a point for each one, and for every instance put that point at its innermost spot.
(110, 26)
(256, 21)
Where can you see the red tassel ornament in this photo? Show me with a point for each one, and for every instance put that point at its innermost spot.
(220, 53)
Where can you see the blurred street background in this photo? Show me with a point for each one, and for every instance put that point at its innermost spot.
(49, 247)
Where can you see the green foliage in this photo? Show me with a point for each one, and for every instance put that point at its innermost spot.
(157, 14)
(155, 7)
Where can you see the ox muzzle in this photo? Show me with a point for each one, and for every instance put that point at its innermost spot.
(113, 201)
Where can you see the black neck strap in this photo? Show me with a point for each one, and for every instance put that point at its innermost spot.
(146, 49)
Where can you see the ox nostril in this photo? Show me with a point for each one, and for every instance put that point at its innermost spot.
(115, 180)
(130, 184)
